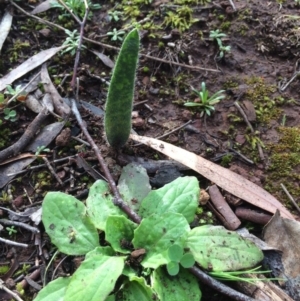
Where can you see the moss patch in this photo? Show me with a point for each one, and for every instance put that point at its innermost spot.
(260, 93)
(285, 163)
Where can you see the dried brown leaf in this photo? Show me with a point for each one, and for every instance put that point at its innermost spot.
(28, 65)
(224, 178)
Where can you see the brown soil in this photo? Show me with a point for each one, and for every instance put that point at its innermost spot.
(264, 55)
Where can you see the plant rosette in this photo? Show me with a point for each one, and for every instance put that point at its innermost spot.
(163, 239)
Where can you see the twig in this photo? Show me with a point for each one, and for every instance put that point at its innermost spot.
(236, 104)
(19, 224)
(77, 57)
(117, 197)
(290, 197)
(14, 295)
(260, 151)
(232, 5)
(28, 135)
(174, 130)
(70, 11)
(241, 155)
(39, 166)
(218, 286)
(13, 243)
(52, 171)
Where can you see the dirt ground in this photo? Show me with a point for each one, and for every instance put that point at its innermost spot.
(260, 71)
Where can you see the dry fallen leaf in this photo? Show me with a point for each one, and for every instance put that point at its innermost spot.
(224, 178)
(104, 58)
(60, 106)
(44, 6)
(28, 65)
(5, 26)
(283, 234)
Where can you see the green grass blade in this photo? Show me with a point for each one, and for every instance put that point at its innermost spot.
(120, 95)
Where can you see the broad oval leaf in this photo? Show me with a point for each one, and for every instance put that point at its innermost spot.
(119, 232)
(100, 204)
(157, 233)
(107, 251)
(95, 279)
(175, 253)
(55, 290)
(183, 286)
(218, 249)
(187, 260)
(173, 268)
(134, 185)
(181, 196)
(66, 223)
(136, 290)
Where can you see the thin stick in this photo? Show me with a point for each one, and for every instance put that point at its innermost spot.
(70, 12)
(13, 243)
(77, 57)
(39, 166)
(232, 4)
(14, 295)
(19, 224)
(118, 201)
(290, 197)
(220, 287)
(52, 171)
(260, 151)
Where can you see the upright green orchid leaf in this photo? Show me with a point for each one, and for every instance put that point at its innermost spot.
(95, 278)
(120, 94)
(136, 289)
(134, 185)
(183, 286)
(100, 205)
(67, 224)
(179, 196)
(157, 233)
(119, 232)
(218, 249)
(55, 290)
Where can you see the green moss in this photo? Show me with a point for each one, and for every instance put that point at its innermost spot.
(225, 26)
(4, 269)
(284, 163)
(261, 95)
(231, 83)
(4, 136)
(226, 160)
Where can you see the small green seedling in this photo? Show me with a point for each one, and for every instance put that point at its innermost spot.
(11, 230)
(177, 257)
(10, 115)
(206, 103)
(217, 35)
(114, 15)
(116, 34)
(40, 149)
(76, 6)
(72, 42)
(12, 91)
